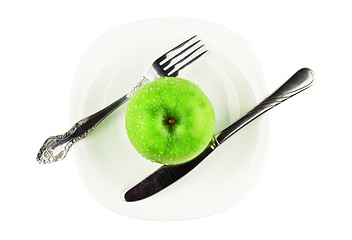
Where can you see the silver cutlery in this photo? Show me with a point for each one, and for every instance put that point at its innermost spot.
(170, 64)
(166, 175)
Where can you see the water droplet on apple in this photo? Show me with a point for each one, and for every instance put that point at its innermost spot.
(140, 116)
(138, 125)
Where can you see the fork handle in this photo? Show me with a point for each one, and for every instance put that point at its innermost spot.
(56, 147)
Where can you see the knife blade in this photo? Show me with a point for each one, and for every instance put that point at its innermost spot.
(168, 174)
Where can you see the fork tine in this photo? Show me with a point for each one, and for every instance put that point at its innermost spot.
(175, 73)
(161, 58)
(178, 54)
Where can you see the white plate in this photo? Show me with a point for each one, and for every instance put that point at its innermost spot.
(230, 76)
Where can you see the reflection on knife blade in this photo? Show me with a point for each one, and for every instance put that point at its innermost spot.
(166, 175)
(163, 177)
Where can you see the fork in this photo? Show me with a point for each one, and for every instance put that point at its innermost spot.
(169, 64)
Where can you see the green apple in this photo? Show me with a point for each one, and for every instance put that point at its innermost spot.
(170, 121)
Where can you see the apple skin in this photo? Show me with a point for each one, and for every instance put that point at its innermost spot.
(170, 121)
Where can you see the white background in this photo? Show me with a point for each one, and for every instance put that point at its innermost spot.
(305, 191)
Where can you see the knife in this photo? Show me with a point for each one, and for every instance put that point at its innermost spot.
(168, 174)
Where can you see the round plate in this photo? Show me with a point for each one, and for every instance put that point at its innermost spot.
(230, 76)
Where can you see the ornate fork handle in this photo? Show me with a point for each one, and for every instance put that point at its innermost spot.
(55, 148)
(300, 81)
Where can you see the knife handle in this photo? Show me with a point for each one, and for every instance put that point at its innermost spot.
(300, 81)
